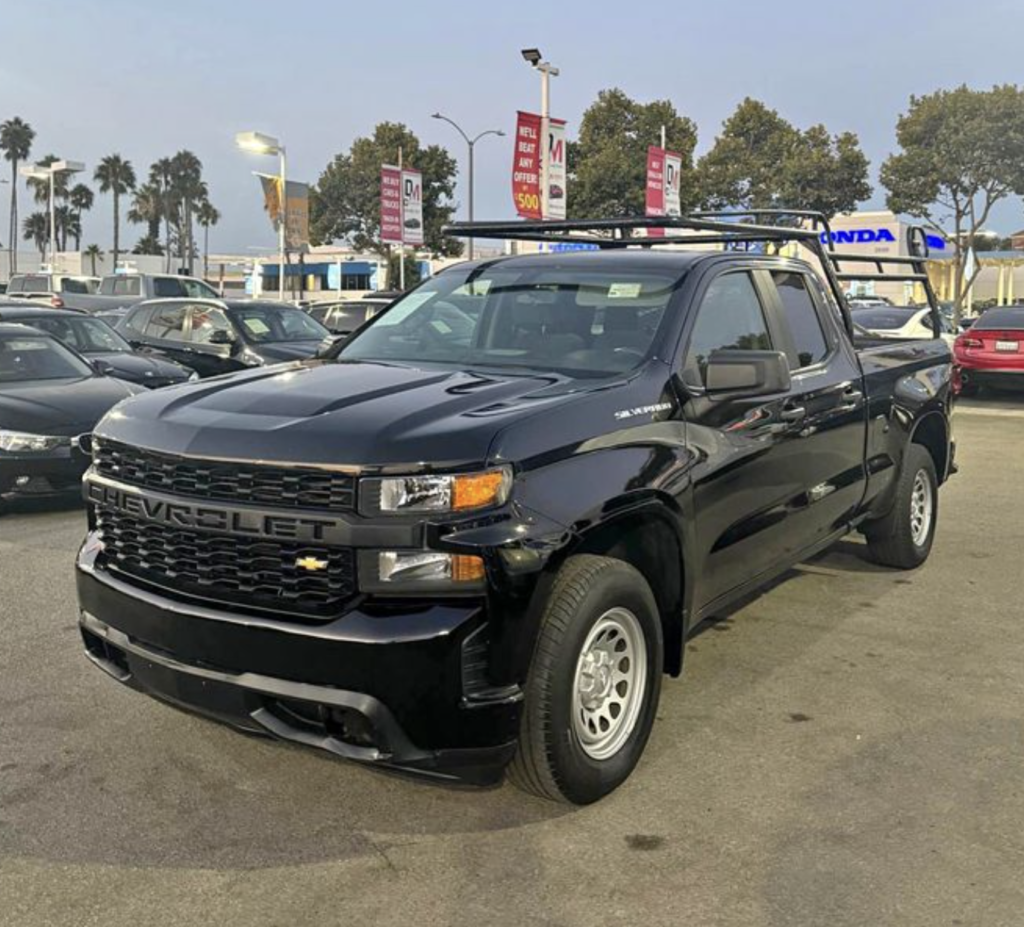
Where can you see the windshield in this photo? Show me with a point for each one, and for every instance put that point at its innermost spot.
(36, 357)
(87, 336)
(580, 323)
(1000, 318)
(883, 319)
(262, 323)
(34, 285)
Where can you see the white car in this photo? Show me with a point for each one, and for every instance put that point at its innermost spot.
(902, 322)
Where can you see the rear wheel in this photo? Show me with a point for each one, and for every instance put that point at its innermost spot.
(594, 684)
(904, 537)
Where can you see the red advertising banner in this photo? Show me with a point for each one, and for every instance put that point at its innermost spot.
(391, 204)
(526, 166)
(655, 197)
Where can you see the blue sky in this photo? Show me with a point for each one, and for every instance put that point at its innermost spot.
(142, 79)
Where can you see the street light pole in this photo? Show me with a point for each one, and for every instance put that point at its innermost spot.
(258, 143)
(471, 145)
(547, 71)
(49, 173)
(53, 227)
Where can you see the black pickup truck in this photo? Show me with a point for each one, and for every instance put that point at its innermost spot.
(478, 535)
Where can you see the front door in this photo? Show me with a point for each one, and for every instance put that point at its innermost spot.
(743, 487)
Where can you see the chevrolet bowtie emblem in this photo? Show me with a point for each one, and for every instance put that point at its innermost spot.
(311, 563)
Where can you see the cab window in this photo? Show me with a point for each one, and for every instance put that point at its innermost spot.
(206, 320)
(801, 315)
(167, 323)
(730, 318)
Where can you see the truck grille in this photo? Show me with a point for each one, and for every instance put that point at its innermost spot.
(241, 572)
(255, 484)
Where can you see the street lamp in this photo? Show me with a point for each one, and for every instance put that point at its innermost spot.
(547, 71)
(258, 143)
(471, 142)
(49, 172)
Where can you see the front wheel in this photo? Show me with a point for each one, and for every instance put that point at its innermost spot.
(594, 684)
(904, 537)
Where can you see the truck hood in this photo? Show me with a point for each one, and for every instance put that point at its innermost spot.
(359, 414)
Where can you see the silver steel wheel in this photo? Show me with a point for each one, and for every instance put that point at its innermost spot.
(921, 508)
(611, 676)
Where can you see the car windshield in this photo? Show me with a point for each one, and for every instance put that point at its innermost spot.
(36, 357)
(1000, 318)
(576, 322)
(87, 336)
(262, 323)
(883, 319)
(35, 285)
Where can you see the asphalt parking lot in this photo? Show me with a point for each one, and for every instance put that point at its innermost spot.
(845, 749)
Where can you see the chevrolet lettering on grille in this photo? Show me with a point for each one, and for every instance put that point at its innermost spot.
(175, 513)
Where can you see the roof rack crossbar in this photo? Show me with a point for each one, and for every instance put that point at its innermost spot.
(890, 278)
(840, 256)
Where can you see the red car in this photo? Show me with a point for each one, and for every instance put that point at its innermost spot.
(991, 352)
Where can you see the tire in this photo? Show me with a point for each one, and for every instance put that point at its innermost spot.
(899, 539)
(605, 607)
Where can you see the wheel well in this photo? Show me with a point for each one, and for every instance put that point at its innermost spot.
(649, 543)
(932, 434)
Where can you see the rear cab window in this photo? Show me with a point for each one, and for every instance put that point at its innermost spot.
(167, 323)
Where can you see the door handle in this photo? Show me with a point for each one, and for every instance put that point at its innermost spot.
(792, 413)
(851, 399)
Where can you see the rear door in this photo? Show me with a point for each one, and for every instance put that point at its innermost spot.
(824, 440)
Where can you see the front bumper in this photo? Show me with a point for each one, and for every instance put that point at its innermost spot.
(383, 685)
(57, 472)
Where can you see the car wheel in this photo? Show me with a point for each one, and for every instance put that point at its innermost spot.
(904, 537)
(593, 688)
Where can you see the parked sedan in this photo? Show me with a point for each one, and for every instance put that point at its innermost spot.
(905, 322)
(214, 336)
(991, 351)
(100, 344)
(50, 400)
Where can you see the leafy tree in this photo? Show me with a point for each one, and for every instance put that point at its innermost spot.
(961, 152)
(81, 199)
(93, 253)
(187, 191)
(67, 225)
(607, 166)
(762, 161)
(116, 176)
(345, 203)
(41, 187)
(148, 208)
(148, 244)
(413, 274)
(37, 230)
(16, 138)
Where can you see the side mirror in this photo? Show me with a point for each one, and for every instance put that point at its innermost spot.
(747, 373)
(102, 368)
(222, 337)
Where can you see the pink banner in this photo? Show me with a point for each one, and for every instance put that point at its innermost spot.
(390, 204)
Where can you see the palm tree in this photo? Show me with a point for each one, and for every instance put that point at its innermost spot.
(16, 137)
(160, 174)
(147, 207)
(41, 187)
(93, 253)
(189, 190)
(207, 215)
(81, 198)
(115, 175)
(37, 229)
(67, 224)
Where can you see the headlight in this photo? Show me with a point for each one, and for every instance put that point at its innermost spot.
(14, 442)
(456, 493)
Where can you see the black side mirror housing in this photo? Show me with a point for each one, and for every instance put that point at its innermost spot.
(222, 338)
(102, 367)
(747, 373)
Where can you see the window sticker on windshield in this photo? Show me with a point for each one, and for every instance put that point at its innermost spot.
(256, 326)
(404, 309)
(624, 290)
